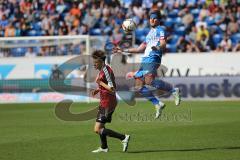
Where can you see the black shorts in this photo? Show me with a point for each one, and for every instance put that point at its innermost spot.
(104, 115)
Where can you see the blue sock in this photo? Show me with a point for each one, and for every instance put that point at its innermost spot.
(162, 85)
(144, 91)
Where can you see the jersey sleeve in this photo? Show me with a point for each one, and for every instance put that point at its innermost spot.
(161, 33)
(107, 75)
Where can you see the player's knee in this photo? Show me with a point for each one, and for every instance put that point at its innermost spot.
(97, 130)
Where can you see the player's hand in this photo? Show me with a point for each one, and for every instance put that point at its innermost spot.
(117, 49)
(98, 81)
(94, 92)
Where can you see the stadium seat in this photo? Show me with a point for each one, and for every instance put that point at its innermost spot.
(76, 50)
(217, 39)
(173, 13)
(32, 33)
(210, 21)
(95, 31)
(37, 26)
(168, 22)
(195, 12)
(173, 39)
(139, 32)
(171, 48)
(178, 21)
(235, 38)
(18, 52)
(180, 31)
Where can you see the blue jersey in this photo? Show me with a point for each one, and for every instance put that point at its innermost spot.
(151, 59)
(153, 39)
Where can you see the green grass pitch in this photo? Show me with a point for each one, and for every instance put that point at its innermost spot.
(194, 131)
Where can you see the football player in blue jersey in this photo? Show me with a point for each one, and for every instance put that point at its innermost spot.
(153, 48)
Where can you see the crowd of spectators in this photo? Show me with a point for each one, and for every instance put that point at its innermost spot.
(191, 25)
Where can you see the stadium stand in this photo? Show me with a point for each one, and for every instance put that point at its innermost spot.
(203, 24)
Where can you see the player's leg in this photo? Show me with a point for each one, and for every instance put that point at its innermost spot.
(145, 91)
(159, 106)
(111, 133)
(99, 125)
(98, 129)
(147, 70)
(167, 87)
(105, 116)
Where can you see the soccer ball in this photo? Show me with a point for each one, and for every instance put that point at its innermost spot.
(128, 25)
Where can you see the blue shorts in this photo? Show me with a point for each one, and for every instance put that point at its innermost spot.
(148, 66)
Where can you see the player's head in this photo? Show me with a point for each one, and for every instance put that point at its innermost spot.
(155, 17)
(98, 59)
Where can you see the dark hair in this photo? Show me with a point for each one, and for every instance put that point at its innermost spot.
(157, 13)
(99, 54)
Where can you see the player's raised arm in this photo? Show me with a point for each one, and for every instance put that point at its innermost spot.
(139, 49)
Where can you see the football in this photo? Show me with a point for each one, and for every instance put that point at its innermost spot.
(128, 25)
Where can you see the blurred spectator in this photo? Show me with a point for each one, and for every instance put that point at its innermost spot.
(203, 13)
(4, 21)
(30, 53)
(237, 48)
(49, 6)
(204, 20)
(233, 26)
(182, 44)
(193, 34)
(202, 31)
(25, 5)
(10, 31)
(191, 48)
(187, 17)
(203, 44)
(57, 73)
(226, 44)
(75, 11)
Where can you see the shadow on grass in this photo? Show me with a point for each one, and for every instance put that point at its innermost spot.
(186, 150)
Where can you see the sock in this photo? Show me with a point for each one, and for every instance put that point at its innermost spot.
(111, 133)
(162, 85)
(103, 141)
(149, 95)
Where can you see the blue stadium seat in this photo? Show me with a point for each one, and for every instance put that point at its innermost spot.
(32, 33)
(195, 12)
(146, 30)
(18, 52)
(37, 26)
(178, 21)
(173, 13)
(171, 48)
(173, 39)
(217, 38)
(181, 31)
(168, 22)
(141, 33)
(76, 50)
(235, 38)
(217, 29)
(210, 21)
(95, 31)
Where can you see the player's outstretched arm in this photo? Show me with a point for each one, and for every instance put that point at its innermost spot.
(139, 49)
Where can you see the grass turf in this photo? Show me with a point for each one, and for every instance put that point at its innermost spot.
(196, 131)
